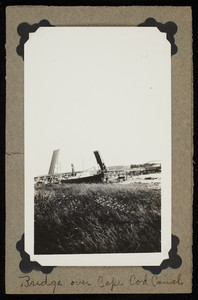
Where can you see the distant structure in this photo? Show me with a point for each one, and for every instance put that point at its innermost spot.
(146, 168)
(152, 168)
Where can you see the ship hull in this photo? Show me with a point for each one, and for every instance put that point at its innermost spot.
(87, 179)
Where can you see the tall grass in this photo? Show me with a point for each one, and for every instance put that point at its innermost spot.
(97, 218)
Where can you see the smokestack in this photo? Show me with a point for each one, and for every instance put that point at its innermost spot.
(73, 170)
(54, 161)
(100, 160)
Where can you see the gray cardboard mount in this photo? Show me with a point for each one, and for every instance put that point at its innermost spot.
(75, 279)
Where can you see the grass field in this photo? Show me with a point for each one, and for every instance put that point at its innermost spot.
(97, 218)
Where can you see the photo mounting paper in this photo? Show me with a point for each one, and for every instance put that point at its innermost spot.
(97, 146)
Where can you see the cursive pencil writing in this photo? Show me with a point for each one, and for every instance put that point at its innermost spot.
(27, 282)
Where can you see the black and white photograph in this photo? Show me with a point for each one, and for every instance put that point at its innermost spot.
(97, 146)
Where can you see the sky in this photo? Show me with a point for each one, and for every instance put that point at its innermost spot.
(96, 88)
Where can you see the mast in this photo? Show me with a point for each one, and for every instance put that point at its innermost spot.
(73, 170)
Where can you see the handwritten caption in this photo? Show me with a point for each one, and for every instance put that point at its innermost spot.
(110, 283)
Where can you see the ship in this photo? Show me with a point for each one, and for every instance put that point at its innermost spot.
(73, 177)
(96, 178)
